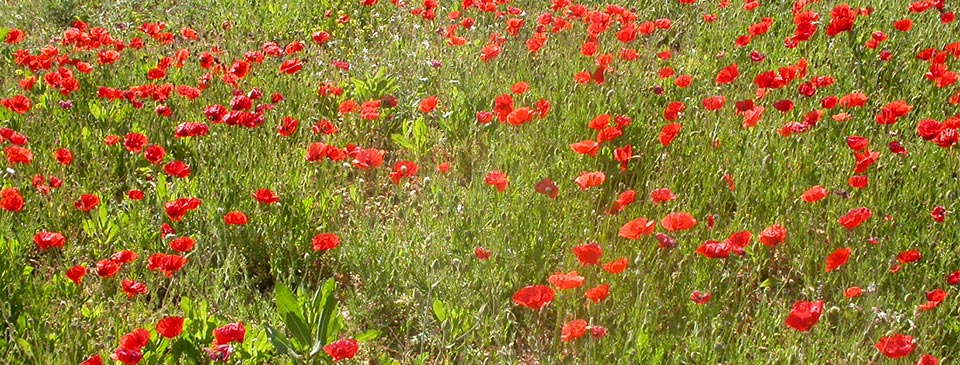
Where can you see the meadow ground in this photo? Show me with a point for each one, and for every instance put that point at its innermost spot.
(479, 182)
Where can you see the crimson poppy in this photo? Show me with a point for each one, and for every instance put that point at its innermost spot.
(534, 297)
(804, 315)
(954, 278)
(661, 195)
(939, 213)
(183, 244)
(838, 258)
(325, 241)
(573, 330)
(896, 345)
(482, 253)
(87, 202)
(588, 254)
(235, 218)
(678, 221)
(700, 297)
(814, 194)
(855, 217)
(76, 273)
(934, 298)
(635, 228)
(166, 264)
(46, 240)
(586, 147)
(428, 104)
(570, 280)
(852, 292)
(266, 196)
(498, 179)
(669, 133)
(342, 349)
(908, 256)
(623, 200)
(616, 266)
(598, 294)
(547, 187)
(588, 180)
(927, 359)
(93, 360)
(18, 155)
(170, 327)
(401, 170)
(132, 288)
(773, 235)
(11, 200)
(233, 332)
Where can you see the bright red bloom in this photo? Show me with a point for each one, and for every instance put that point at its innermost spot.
(573, 330)
(481, 253)
(87, 202)
(598, 294)
(11, 200)
(428, 104)
(714, 102)
(814, 194)
(46, 240)
(177, 168)
(135, 194)
(700, 297)
(855, 217)
(170, 327)
(183, 244)
(547, 187)
(342, 349)
(325, 241)
(107, 268)
(291, 66)
(401, 170)
(662, 195)
(852, 292)
(838, 258)
(669, 133)
(124, 257)
(64, 156)
(773, 235)
(18, 104)
(167, 264)
(93, 360)
(616, 266)
(927, 359)
(178, 208)
(534, 297)
(18, 155)
(570, 280)
(934, 298)
(804, 315)
(127, 356)
(588, 254)
(154, 154)
(233, 332)
(954, 278)
(623, 200)
(586, 147)
(134, 142)
(498, 179)
(266, 196)
(896, 346)
(132, 288)
(633, 229)
(939, 213)
(678, 222)
(368, 158)
(908, 256)
(76, 273)
(588, 180)
(235, 218)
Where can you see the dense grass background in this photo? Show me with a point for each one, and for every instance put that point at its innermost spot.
(407, 248)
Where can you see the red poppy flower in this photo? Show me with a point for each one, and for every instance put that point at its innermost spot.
(534, 297)
(166, 264)
(804, 315)
(233, 332)
(127, 356)
(76, 273)
(498, 179)
(170, 327)
(573, 330)
(183, 244)
(773, 235)
(588, 254)
(401, 170)
(132, 288)
(235, 218)
(64, 156)
(623, 200)
(93, 360)
(481, 253)
(325, 241)
(814, 194)
(87, 202)
(954, 278)
(428, 104)
(635, 228)
(838, 258)
(18, 155)
(443, 167)
(588, 180)
(939, 213)
(342, 349)
(134, 142)
(852, 292)
(909, 256)
(700, 297)
(855, 217)
(598, 294)
(266, 196)
(177, 169)
(586, 147)
(11, 200)
(669, 133)
(547, 187)
(927, 360)
(934, 298)
(728, 74)
(714, 102)
(678, 222)
(18, 104)
(288, 126)
(714, 249)
(896, 345)
(570, 280)
(291, 66)
(46, 240)
(135, 194)
(662, 195)
(368, 158)
(177, 209)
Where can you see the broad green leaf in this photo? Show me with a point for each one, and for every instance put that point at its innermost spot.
(439, 310)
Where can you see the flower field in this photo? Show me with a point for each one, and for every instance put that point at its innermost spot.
(524, 182)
